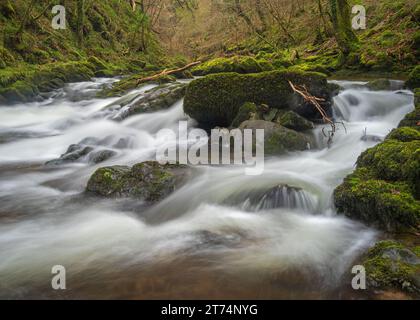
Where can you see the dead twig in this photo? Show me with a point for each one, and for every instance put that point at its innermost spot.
(167, 72)
(301, 90)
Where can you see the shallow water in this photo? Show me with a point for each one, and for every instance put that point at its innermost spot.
(222, 235)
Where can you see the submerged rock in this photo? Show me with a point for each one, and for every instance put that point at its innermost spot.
(278, 139)
(149, 181)
(391, 264)
(215, 100)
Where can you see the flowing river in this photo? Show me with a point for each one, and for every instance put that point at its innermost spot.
(222, 235)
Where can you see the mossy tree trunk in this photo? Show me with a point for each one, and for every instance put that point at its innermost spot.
(341, 20)
(80, 21)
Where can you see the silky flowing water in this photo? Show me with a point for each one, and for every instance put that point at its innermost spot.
(222, 235)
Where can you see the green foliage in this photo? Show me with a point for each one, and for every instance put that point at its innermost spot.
(414, 78)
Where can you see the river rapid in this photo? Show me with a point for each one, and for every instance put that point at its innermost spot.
(222, 235)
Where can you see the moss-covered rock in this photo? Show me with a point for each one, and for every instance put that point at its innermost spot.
(292, 120)
(387, 205)
(215, 100)
(278, 139)
(414, 78)
(239, 64)
(245, 113)
(148, 181)
(389, 264)
(405, 134)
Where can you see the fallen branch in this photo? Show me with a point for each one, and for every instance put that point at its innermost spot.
(315, 101)
(167, 72)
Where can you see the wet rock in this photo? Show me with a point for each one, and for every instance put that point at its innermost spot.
(292, 120)
(149, 181)
(100, 156)
(389, 264)
(278, 139)
(159, 98)
(73, 153)
(215, 100)
(280, 196)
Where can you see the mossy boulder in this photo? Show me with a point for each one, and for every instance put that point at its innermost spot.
(245, 112)
(277, 139)
(292, 120)
(387, 205)
(215, 100)
(148, 181)
(239, 64)
(389, 264)
(414, 78)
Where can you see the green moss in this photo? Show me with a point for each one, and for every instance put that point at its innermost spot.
(294, 121)
(239, 64)
(388, 205)
(215, 99)
(414, 78)
(394, 161)
(390, 264)
(244, 113)
(405, 134)
(147, 181)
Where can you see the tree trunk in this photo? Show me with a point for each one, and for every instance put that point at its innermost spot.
(341, 20)
(80, 21)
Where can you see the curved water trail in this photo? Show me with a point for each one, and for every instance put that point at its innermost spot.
(272, 236)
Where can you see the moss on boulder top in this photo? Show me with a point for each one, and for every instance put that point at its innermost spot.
(239, 64)
(215, 100)
(149, 181)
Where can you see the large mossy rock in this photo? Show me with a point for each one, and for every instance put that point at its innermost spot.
(389, 264)
(278, 139)
(384, 190)
(149, 181)
(215, 100)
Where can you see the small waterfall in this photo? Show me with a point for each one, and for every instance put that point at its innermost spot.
(280, 196)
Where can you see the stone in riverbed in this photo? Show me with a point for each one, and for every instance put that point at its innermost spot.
(391, 264)
(292, 120)
(149, 181)
(156, 99)
(278, 139)
(215, 100)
